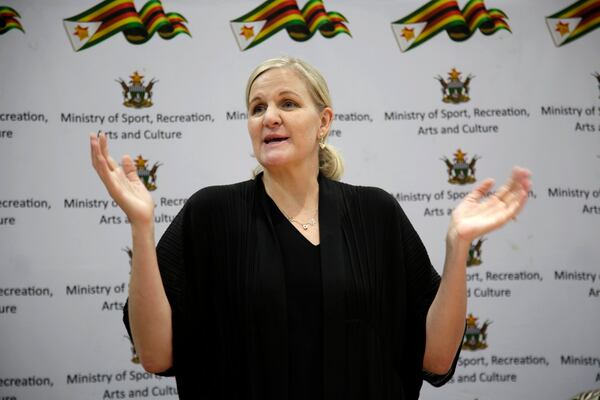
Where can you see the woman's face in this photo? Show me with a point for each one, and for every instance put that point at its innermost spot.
(283, 121)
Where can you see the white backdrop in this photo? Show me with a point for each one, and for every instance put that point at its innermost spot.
(63, 268)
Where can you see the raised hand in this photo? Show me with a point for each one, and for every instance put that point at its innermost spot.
(477, 215)
(122, 182)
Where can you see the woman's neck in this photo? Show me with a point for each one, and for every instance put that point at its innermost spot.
(295, 193)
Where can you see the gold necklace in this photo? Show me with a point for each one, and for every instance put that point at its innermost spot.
(304, 225)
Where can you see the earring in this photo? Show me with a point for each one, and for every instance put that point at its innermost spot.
(322, 141)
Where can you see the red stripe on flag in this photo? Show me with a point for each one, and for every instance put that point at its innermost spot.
(111, 11)
(268, 13)
(279, 17)
(443, 17)
(453, 7)
(107, 24)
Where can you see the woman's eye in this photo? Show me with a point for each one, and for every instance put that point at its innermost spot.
(288, 104)
(257, 109)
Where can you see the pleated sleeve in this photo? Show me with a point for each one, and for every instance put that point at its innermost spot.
(172, 258)
(422, 283)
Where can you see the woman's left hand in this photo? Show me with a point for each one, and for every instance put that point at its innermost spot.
(477, 215)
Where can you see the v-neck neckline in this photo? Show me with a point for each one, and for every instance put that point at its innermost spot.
(282, 218)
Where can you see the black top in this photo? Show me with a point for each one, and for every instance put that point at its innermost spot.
(304, 308)
(220, 263)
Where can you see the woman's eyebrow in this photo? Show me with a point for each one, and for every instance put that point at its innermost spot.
(284, 92)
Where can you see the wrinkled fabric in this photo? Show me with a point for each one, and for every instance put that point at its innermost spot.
(222, 269)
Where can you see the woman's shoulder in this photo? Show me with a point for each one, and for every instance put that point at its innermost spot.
(219, 195)
(372, 195)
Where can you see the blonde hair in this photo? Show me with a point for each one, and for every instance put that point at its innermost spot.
(331, 164)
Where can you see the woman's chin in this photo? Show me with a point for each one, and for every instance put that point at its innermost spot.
(274, 160)
(273, 166)
(285, 159)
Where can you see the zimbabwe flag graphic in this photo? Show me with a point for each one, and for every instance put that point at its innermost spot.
(272, 16)
(445, 15)
(573, 22)
(113, 16)
(8, 20)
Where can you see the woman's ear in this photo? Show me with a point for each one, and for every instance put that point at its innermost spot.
(326, 119)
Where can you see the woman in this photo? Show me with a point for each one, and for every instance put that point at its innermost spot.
(293, 285)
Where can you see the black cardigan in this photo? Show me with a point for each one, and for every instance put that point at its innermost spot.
(222, 269)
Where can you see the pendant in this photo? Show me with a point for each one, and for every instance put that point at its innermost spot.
(305, 226)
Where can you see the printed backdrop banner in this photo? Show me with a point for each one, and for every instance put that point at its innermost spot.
(430, 98)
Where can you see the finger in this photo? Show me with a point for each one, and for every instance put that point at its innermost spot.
(518, 203)
(519, 191)
(523, 175)
(520, 171)
(113, 164)
(479, 192)
(93, 148)
(500, 209)
(104, 148)
(129, 168)
(101, 164)
(519, 179)
(98, 160)
(509, 208)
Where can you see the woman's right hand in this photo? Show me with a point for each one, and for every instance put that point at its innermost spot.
(122, 182)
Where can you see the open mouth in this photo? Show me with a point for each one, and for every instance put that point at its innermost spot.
(270, 140)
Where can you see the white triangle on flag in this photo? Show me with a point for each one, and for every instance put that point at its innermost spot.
(87, 28)
(560, 36)
(400, 33)
(245, 32)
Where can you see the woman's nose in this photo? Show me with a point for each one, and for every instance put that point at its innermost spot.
(272, 117)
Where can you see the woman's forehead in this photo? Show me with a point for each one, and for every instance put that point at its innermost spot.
(278, 80)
